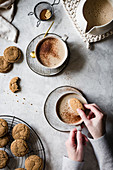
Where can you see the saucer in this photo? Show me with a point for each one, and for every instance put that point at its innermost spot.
(36, 66)
(50, 107)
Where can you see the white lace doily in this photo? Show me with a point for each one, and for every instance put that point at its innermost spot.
(71, 8)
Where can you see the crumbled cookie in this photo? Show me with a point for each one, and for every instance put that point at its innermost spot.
(14, 84)
(4, 65)
(12, 54)
(20, 169)
(34, 162)
(4, 140)
(75, 104)
(21, 131)
(3, 127)
(3, 159)
(19, 148)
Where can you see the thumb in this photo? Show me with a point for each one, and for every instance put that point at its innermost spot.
(79, 141)
(83, 116)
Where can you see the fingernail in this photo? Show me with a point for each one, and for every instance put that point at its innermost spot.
(78, 110)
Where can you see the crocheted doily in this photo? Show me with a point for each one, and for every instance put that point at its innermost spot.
(71, 8)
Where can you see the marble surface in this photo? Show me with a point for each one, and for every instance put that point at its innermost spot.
(89, 71)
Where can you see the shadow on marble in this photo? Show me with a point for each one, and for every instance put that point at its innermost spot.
(21, 58)
(110, 131)
(77, 60)
(106, 39)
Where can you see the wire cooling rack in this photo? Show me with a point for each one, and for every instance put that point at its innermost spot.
(34, 143)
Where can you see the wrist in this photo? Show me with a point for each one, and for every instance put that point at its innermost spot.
(76, 159)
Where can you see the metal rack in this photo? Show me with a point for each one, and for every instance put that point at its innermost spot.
(34, 143)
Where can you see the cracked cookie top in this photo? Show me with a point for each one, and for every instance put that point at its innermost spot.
(21, 131)
(19, 148)
(12, 54)
(33, 162)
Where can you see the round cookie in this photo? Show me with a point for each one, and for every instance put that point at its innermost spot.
(3, 127)
(33, 162)
(20, 169)
(12, 54)
(3, 159)
(4, 140)
(4, 65)
(21, 131)
(19, 148)
(14, 86)
(75, 104)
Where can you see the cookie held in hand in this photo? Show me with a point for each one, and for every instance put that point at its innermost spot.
(4, 65)
(12, 54)
(75, 104)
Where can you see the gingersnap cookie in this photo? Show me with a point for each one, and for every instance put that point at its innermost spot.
(3, 159)
(14, 84)
(4, 140)
(4, 65)
(21, 131)
(19, 148)
(75, 104)
(33, 162)
(12, 54)
(3, 127)
(20, 169)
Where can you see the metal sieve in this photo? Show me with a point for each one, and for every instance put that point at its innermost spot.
(42, 6)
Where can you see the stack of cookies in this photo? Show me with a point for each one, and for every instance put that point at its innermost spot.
(11, 55)
(4, 139)
(19, 147)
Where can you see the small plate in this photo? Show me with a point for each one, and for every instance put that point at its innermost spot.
(50, 107)
(36, 66)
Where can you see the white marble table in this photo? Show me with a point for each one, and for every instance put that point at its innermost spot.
(89, 71)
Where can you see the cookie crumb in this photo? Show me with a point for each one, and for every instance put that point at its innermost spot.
(23, 98)
(17, 101)
(22, 103)
(31, 104)
(14, 86)
(15, 95)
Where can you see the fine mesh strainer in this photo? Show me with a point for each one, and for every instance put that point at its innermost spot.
(42, 6)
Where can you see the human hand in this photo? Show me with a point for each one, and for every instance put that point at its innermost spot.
(75, 145)
(95, 122)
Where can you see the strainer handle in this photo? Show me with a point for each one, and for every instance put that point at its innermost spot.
(38, 23)
(56, 3)
(30, 13)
